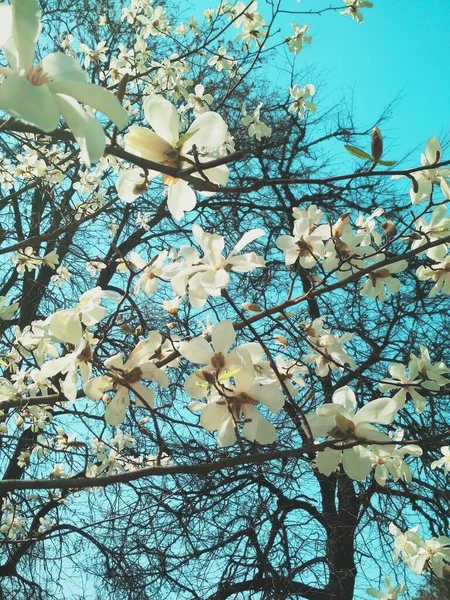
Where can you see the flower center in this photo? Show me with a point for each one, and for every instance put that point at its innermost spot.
(36, 76)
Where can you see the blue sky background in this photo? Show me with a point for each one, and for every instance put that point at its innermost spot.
(399, 53)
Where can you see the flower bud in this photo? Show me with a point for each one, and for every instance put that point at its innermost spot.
(377, 145)
(389, 228)
(251, 306)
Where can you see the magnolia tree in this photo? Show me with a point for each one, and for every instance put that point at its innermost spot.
(223, 353)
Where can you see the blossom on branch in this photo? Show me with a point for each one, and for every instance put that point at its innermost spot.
(40, 94)
(165, 146)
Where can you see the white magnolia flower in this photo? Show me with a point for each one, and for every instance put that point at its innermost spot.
(353, 7)
(382, 278)
(132, 183)
(391, 462)
(66, 325)
(256, 128)
(437, 228)
(230, 402)
(165, 146)
(209, 275)
(329, 354)
(125, 377)
(444, 462)
(434, 552)
(94, 54)
(339, 422)
(405, 383)
(69, 365)
(345, 253)
(295, 42)
(62, 275)
(150, 271)
(392, 591)
(40, 94)
(215, 357)
(305, 244)
(424, 180)
(366, 226)
(440, 273)
(221, 60)
(199, 101)
(301, 99)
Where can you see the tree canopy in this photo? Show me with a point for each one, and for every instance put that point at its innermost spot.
(224, 316)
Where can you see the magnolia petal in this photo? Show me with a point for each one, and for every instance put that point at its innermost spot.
(328, 461)
(151, 371)
(346, 398)
(143, 142)
(223, 336)
(30, 103)
(26, 27)
(69, 385)
(227, 433)
(5, 23)
(433, 150)
(60, 66)
(215, 280)
(93, 95)
(145, 397)
(196, 387)
(197, 350)
(382, 410)
(163, 118)
(95, 388)
(213, 415)
(258, 429)
(65, 326)
(53, 367)
(116, 410)
(180, 199)
(356, 462)
(269, 394)
(209, 130)
(86, 129)
(246, 239)
(285, 242)
(131, 184)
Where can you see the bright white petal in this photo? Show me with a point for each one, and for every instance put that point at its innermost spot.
(30, 103)
(96, 97)
(87, 130)
(143, 142)
(180, 199)
(26, 27)
(356, 462)
(60, 66)
(163, 118)
(210, 131)
(223, 336)
(382, 410)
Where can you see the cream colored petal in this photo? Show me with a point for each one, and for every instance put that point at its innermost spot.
(163, 118)
(143, 142)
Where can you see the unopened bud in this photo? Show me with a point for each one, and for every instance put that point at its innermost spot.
(281, 340)
(341, 224)
(251, 306)
(389, 228)
(377, 145)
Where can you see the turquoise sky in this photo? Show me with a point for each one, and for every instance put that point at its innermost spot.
(400, 53)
